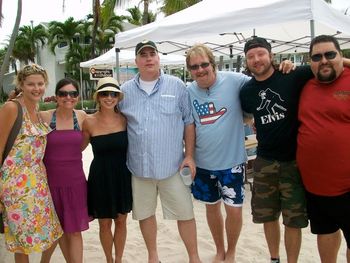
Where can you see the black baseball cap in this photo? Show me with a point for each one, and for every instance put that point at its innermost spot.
(143, 44)
(257, 42)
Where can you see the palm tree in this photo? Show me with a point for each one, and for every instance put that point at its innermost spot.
(96, 14)
(172, 6)
(146, 18)
(63, 33)
(2, 54)
(68, 33)
(74, 56)
(107, 31)
(85, 30)
(107, 11)
(145, 15)
(27, 42)
(5, 63)
(135, 17)
(151, 17)
(105, 25)
(1, 16)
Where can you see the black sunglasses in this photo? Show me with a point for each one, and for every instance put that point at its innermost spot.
(72, 94)
(328, 55)
(113, 94)
(196, 66)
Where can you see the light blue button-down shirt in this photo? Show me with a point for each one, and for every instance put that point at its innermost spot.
(156, 125)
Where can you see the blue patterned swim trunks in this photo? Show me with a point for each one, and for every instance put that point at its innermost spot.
(212, 186)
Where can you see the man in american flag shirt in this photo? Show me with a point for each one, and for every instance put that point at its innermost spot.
(220, 152)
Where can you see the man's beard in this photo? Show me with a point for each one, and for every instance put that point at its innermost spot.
(263, 72)
(327, 78)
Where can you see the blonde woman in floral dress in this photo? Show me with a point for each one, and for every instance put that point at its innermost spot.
(31, 224)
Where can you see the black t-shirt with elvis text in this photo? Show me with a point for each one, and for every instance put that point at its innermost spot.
(274, 104)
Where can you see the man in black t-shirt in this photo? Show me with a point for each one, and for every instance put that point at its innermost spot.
(272, 97)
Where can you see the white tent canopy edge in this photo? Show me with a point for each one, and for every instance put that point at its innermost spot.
(127, 58)
(225, 26)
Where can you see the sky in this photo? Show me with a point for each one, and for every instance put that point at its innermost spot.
(43, 11)
(48, 10)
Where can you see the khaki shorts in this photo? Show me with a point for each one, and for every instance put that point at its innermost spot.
(174, 195)
(277, 188)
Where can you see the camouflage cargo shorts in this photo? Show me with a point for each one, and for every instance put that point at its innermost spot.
(277, 188)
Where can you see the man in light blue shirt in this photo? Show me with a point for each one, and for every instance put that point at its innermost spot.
(220, 151)
(159, 116)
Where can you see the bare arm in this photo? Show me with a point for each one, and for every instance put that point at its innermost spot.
(8, 115)
(46, 116)
(86, 133)
(81, 115)
(346, 62)
(248, 118)
(190, 138)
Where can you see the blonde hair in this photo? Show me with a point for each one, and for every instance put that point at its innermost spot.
(29, 70)
(200, 50)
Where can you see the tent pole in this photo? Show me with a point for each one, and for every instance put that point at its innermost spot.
(127, 72)
(312, 28)
(184, 74)
(117, 50)
(231, 59)
(81, 88)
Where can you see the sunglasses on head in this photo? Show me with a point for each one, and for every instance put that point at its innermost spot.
(33, 68)
(328, 55)
(113, 94)
(196, 66)
(72, 94)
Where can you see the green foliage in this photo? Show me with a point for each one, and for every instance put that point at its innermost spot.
(2, 55)
(63, 33)
(3, 98)
(172, 6)
(88, 104)
(74, 56)
(346, 53)
(28, 40)
(179, 72)
(47, 106)
(135, 17)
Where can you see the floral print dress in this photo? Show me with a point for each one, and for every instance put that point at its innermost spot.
(31, 223)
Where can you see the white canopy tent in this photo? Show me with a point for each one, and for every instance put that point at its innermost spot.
(127, 58)
(225, 25)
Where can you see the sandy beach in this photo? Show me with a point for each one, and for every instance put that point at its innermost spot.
(251, 245)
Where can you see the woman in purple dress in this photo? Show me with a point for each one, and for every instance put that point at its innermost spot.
(63, 161)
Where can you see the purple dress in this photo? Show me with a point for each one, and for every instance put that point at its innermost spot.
(67, 183)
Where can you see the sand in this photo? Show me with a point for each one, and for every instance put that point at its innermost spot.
(251, 245)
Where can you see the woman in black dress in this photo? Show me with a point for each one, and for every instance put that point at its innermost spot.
(109, 182)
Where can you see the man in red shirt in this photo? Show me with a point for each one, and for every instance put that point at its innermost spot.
(323, 152)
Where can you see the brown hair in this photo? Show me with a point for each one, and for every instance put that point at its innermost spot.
(324, 39)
